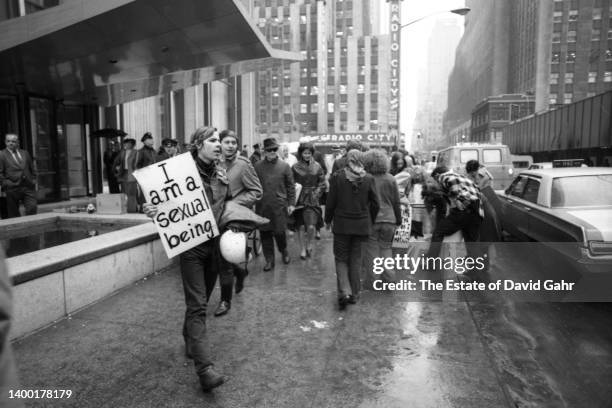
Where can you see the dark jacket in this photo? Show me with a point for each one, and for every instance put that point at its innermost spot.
(312, 178)
(244, 184)
(352, 207)
(255, 157)
(146, 157)
(216, 186)
(123, 173)
(16, 173)
(389, 199)
(278, 193)
(339, 164)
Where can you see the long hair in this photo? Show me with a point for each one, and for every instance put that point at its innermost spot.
(395, 168)
(199, 135)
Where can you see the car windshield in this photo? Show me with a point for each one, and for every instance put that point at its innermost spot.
(582, 191)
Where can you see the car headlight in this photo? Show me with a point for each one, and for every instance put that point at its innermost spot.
(600, 248)
(510, 171)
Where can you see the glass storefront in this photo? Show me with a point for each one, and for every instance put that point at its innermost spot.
(44, 151)
(8, 117)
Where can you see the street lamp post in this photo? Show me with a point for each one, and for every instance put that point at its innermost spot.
(395, 29)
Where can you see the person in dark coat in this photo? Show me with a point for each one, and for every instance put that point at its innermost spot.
(256, 156)
(310, 175)
(124, 166)
(17, 177)
(490, 229)
(277, 203)
(109, 158)
(167, 150)
(145, 157)
(352, 206)
(198, 264)
(389, 216)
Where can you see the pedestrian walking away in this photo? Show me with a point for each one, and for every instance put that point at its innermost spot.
(310, 175)
(277, 203)
(352, 206)
(199, 264)
(245, 189)
(17, 177)
(388, 218)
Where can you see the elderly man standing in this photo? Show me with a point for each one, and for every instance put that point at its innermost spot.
(245, 189)
(277, 203)
(17, 177)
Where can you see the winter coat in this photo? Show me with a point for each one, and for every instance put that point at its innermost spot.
(312, 178)
(389, 199)
(244, 184)
(352, 207)
(278, 193)
(146, 157)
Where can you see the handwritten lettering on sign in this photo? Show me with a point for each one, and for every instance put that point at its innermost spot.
(184, 218)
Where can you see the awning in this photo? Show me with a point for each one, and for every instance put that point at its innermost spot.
(110, 52)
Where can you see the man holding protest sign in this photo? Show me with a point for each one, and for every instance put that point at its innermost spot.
(199, 263)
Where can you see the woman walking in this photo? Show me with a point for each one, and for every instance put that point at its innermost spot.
(352, 206)
(388, 218)
(311, 176)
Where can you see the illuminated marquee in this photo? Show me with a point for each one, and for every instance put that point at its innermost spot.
(373, 139)
(394, 95)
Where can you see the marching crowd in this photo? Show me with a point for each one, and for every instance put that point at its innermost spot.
(360, 201)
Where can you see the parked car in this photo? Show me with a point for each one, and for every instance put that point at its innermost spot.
(542, 165)
(563, 205)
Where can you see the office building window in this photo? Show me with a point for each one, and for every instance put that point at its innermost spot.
(554, 78)
(553, 99)
(555, 58)
(571, 36)
(567, 97)
(303, 108)
(556, 37)
(607, 76)
(571, 57)
(569, 78)
(330, 107)
(314, 107)
(595, 34)
(592, 77)
(557, 16)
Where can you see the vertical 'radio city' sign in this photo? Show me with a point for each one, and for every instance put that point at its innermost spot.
(394, 95)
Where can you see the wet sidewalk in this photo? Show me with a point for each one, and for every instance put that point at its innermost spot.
(285, 344)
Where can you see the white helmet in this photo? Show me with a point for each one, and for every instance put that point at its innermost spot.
(233, 246)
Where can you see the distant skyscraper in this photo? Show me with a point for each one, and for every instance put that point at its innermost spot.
(340, 86)
(433, 83)
(556, 51)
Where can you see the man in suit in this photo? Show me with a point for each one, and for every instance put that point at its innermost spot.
(17, 177)
(124, 166)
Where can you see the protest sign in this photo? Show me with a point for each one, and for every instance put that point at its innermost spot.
(401, 239)
(184, 218)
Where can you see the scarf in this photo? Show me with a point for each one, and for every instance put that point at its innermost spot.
(354, 170)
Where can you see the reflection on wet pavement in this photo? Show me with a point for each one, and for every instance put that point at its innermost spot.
(285, 344)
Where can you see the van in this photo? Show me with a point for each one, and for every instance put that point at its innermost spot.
(496, 158)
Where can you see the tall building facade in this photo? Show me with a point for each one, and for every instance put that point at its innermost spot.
(433, 84)
(556, 51)
(340, 86)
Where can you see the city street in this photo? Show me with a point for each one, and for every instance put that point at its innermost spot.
(285, 344)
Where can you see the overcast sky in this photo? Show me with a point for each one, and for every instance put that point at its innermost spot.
(414, 47)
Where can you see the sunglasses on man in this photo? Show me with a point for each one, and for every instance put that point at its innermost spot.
(272, 149)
